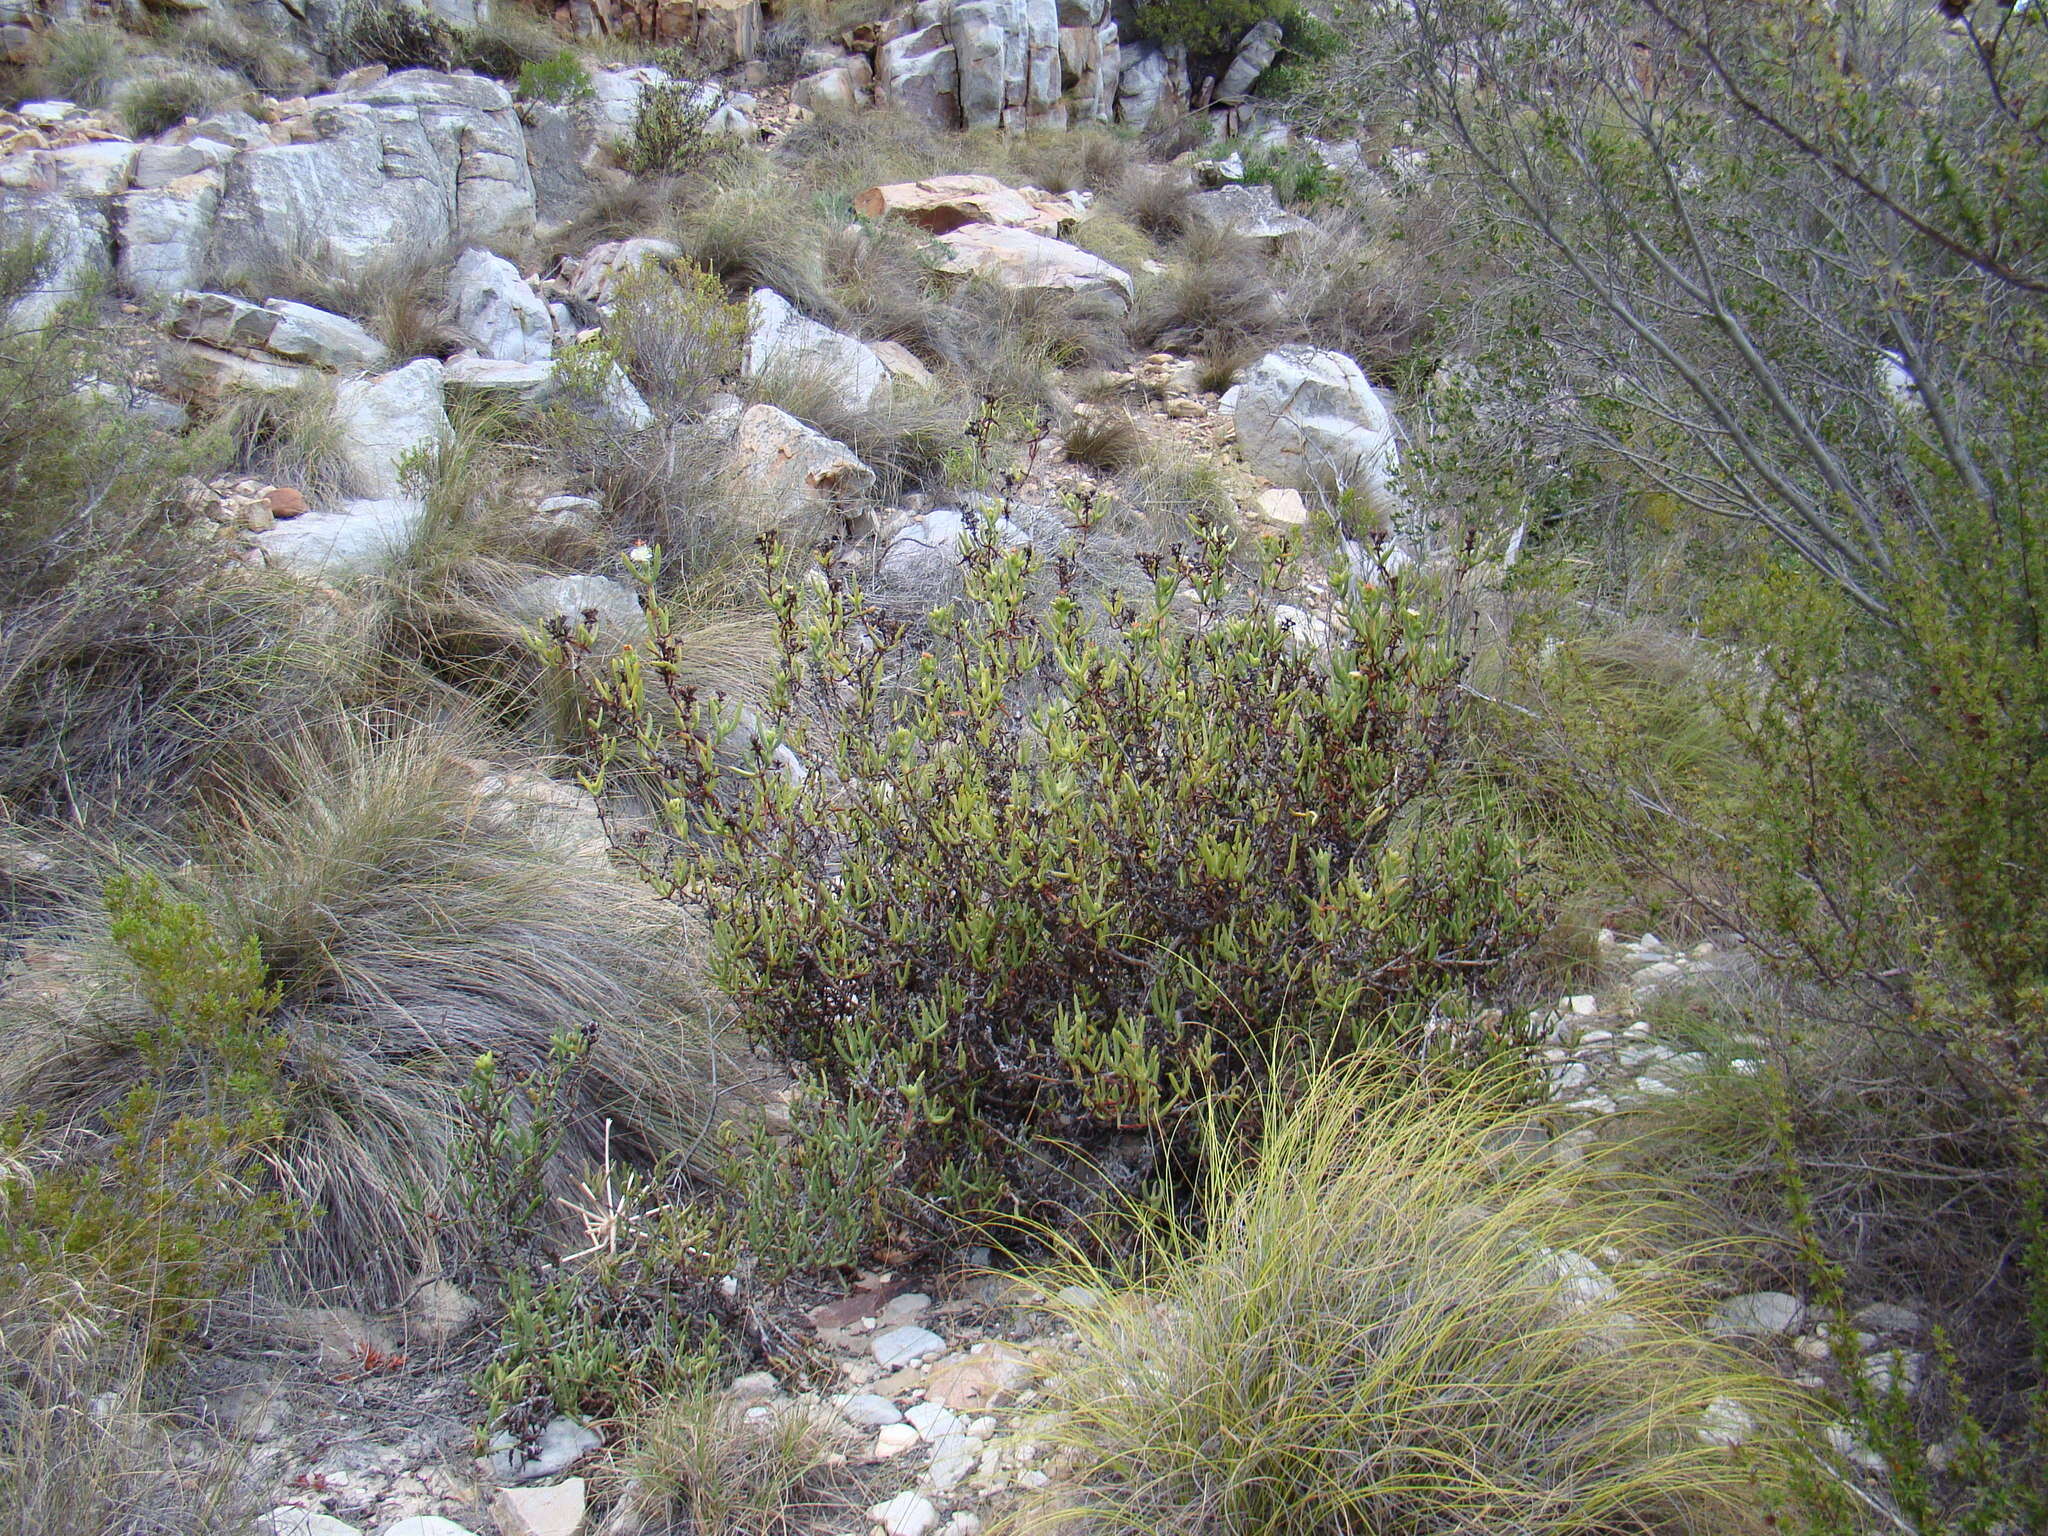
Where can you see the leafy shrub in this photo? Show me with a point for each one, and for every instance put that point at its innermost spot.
(159, 1218)
(266, 62)
(413, 920)
(1297, 176)
(1205, 26)
(600, 1318)
(679, 336)
(1380, 1320)
(558, 80)
(161, 102)
(672, 130)
(1044, 880)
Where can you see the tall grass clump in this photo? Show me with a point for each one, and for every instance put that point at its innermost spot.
(129, 650)
(1378, 1317)
(413, 917)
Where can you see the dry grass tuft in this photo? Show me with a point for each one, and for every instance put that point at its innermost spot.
(413, 922)
(699, 1466)
(1108, 441)
(1384, 1322)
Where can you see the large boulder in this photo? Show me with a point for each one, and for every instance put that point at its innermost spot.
(1308, 418)
(295, 333)
(496, 310)
(355, 536)
(1152, 84)
(781, 341)
(413, 160)
(1017, 258)
(785, 470)
(202, 374)
(1255, 55)
(1250, 212)
(385, 419)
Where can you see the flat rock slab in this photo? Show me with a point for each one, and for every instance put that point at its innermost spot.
(1018, 258)
(942, 204)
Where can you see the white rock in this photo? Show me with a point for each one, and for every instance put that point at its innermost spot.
(908, 1514)
(870, 1410)
(934, 1421)
(552, 1511)
(1248, 212)
(356, 536)
(781, 342)
(1581, 1284)
(425, 1525)
(304, 334)
(287, 1520)
(1255, 55)
(562, 1443)
(1851, 1447)
(497, 311)
(898, 1346)
(388, 418)
(1020, 259)
(1308, 418)
(1759, 1314)
(782, 469)
(1724, 1421)
(895, 1439)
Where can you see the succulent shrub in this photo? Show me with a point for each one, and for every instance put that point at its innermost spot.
(1046, 866)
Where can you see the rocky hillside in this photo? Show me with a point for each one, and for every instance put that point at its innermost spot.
(798, 768)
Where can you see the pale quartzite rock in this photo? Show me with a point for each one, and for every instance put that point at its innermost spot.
(1017, 258)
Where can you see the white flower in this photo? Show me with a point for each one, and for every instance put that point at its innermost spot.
(640, 554)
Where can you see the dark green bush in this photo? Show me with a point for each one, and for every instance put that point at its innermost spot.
(1060, 878)
(1205, 26)
(559, 80)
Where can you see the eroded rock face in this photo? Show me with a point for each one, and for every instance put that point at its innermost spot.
(410, 161)
(1249, 212)
(1309, 419)
(161, 233)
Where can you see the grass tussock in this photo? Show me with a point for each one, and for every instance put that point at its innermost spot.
(700, 1466)
(413, 921)
(1384, 1320)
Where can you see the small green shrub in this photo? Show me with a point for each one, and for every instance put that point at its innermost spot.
(672, 131)
(558, 80)
(679, 337)
(161, 102)
(162, 1215)
(1297, 176)
(604, 1314)
(506, 43)
(1383, 1318)
(813, 1199)
(1041, 879)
